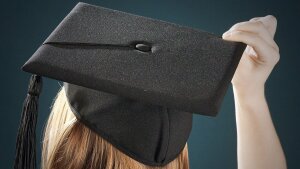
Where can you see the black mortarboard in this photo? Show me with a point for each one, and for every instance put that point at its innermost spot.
(133, 80)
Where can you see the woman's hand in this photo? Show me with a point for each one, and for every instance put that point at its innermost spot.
(258, 144)
(260, 56)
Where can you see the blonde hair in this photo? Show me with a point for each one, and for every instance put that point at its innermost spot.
(68, 144)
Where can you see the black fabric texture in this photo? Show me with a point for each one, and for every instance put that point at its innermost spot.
(95, 47)
(137, 81)
(151, 134)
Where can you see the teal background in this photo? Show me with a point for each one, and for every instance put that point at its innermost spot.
(212, 144)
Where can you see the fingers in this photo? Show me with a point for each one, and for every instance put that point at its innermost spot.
(258, 33)
(257, 27)
(266, 52)
(269, 21)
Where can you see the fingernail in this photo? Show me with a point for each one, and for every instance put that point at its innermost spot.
(226, 34)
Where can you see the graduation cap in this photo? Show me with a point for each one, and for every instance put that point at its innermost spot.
(134, 80)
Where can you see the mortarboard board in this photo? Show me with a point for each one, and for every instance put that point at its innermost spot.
(134, 80)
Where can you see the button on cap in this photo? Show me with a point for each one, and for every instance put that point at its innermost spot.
(143, 47)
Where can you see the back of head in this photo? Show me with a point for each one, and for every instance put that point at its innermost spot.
(69, 144)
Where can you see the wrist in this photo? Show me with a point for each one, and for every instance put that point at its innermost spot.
(252, 100)
(251, 93)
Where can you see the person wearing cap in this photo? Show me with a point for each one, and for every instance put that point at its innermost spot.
(102, 118)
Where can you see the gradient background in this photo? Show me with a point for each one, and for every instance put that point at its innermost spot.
(212, 144)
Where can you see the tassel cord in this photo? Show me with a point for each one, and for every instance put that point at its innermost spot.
(25, 157)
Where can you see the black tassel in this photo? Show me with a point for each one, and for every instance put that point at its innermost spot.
(26, 146)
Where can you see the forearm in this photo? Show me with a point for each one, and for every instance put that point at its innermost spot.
(258, 144)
